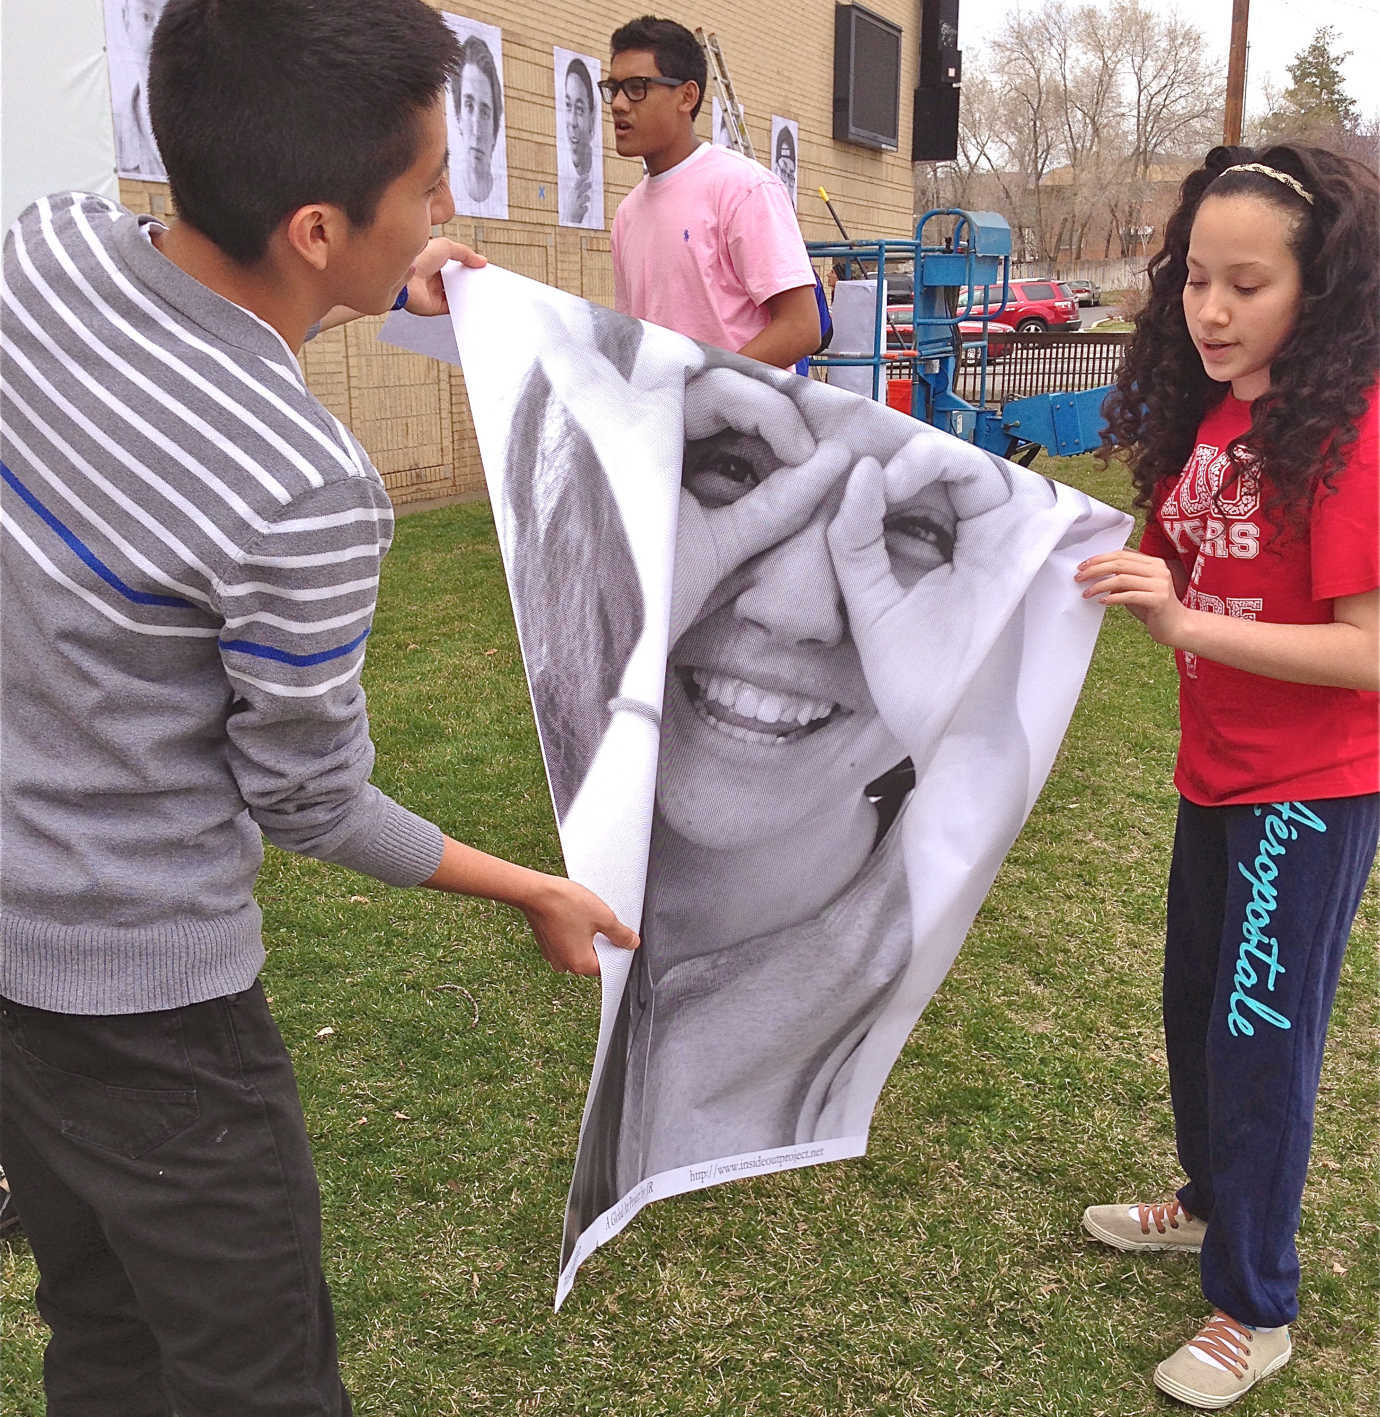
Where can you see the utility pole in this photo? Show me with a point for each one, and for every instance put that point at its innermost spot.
(1236, 73)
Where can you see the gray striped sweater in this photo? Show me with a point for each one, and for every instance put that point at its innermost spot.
(188, 573)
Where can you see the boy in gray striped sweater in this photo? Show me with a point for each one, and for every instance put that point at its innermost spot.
(191, 555)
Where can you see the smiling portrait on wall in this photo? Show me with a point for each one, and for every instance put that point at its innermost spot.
(785, 145)
(129, 26)
(477, 130)
(579, 141)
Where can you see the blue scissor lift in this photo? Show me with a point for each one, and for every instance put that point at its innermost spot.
(977, 254)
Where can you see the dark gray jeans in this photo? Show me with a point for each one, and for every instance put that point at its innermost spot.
(161, 1168)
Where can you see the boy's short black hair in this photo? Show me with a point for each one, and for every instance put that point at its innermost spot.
(677, 52)
(261, 106)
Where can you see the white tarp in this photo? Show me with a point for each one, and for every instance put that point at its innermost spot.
(56, 130)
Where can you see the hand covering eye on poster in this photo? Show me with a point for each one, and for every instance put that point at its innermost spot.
(129, 26)
(785, 144)
(862, 643)
(476, 129)
(579, 143)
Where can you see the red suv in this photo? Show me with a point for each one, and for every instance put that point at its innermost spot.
(1032, 305)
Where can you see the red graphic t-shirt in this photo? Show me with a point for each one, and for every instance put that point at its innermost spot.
(1243, 737)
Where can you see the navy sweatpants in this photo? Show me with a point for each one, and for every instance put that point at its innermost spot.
(1261, 900)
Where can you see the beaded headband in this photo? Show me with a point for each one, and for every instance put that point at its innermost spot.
(1291, 182)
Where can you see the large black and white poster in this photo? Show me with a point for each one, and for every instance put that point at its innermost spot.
(800, 666)
(475, 121)
(579, 141)
(129, 26)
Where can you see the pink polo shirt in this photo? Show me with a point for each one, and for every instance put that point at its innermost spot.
(701, 247)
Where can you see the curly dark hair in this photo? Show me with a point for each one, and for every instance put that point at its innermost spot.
(1319, 381)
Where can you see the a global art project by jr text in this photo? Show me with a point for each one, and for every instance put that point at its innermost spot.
(800, 666)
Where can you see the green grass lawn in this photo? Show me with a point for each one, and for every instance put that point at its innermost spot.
(942, 1274)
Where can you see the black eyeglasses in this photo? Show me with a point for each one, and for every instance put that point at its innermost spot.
(635, 87)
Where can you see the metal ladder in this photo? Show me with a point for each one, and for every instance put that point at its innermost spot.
(738, 137)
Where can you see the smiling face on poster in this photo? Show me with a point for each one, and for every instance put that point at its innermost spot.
(785, 145)
(579, 141)
(129, 26)
(805, 663)
(475, 121)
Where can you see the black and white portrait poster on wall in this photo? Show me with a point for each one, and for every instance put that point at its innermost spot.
(722, 137)
(476, 122)
(800, 665)
(579, 141)
(785, 145)
(129, 26)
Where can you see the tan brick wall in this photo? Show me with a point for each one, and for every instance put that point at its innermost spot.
(411, 413)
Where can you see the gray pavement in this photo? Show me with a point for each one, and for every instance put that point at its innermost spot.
(1091, 314)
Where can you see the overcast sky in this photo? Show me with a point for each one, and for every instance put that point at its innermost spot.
(1278, 30)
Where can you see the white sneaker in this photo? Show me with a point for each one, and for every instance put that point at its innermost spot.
(1165, 1226)
(1224, 1360)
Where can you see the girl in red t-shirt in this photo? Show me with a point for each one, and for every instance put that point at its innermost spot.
(1247, 411)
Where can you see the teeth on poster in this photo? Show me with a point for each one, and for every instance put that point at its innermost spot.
(476, 122)
(800, 665)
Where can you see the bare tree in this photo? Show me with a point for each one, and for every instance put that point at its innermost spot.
(967, 182)
(1029, 126)
(1070, 116)
(1175, 94)
(1087, 56)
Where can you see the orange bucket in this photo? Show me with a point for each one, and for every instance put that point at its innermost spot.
(898, 394)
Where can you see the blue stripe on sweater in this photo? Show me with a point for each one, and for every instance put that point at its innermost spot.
(176, 602)
(302, 661)
(89, 557)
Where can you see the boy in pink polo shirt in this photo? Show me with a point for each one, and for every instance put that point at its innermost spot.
(707, 243)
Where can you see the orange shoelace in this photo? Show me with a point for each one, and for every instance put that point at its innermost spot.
(1225, 1340)
(1165, 1216)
